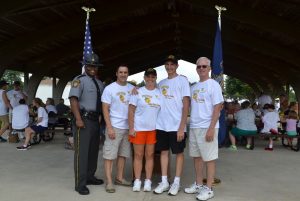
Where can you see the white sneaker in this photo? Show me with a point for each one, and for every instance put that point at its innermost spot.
(194, 188)
(174, 189)
(162, 187)
(205, 194)
(137, 185)
(147, 185)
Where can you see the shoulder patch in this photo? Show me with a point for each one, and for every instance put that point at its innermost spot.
(75, 83)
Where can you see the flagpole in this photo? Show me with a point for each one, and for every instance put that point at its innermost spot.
(88, 11)
(217, 74)
(87, 33)
(220, 9)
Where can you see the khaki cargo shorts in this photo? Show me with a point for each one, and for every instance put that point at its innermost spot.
(120, 146)
(198, 146)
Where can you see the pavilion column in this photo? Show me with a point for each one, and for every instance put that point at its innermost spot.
(58, 88)
(296, 87)
(26, 80)
(54, 89)
(287, 89)
(32, 85)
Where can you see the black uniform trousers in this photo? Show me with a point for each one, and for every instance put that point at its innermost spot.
(86, 143)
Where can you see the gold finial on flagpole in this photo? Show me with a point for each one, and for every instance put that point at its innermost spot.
(88, 10)
(220, 9)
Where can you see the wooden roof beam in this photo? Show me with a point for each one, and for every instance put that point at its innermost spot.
(262, 21)
(65, 28)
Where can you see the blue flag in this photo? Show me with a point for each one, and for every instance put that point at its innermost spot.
(217, 74)
(87, 45)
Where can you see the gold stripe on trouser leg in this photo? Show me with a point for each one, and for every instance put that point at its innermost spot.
(77, 157)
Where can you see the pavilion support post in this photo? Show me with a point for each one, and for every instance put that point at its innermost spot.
(26, 80)
(296, 87)
(287, 90)
(59, 88)
(54, 85)
(32, 85)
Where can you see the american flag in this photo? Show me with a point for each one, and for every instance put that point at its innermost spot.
(87, 45)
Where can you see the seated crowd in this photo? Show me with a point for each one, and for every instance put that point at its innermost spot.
(18, 117)
(248, 121)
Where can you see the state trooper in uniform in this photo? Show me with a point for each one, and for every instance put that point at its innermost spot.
(85, 99)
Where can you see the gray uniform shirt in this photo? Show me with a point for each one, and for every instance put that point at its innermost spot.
(83, 87)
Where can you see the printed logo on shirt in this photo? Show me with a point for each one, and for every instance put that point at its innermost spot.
(147, 100)
(202, 90)
(164, 91)
(196, 97)
(122, 97)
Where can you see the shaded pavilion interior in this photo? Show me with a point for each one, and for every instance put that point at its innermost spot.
(261, 38)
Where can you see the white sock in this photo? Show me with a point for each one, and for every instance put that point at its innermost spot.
(164, 179)
(177, 180)
(148, 180)
(137, 180)
(198, 184)
(270, 146)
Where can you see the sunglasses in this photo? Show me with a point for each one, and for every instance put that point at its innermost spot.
(202, 66)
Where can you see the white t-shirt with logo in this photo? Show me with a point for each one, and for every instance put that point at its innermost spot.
(204, 96)
(117, 96)
(20, 116)
(172, 93)
(147, 104)
(43, 113)
(14, 97)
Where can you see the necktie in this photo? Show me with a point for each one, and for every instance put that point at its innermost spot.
(98, 102)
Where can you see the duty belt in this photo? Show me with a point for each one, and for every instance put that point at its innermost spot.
(94, 116)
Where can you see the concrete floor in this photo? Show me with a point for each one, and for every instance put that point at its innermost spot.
(45, 172)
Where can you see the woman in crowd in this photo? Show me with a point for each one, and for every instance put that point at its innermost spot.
(142, 114)
(291, 126)
(40, 126)
(50, 106)
(245, 125)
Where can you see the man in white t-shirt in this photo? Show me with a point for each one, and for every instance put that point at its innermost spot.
(4, 106)
(171, 124)
(115, 99)
(206, 104)
(15, 95)
(20, 118)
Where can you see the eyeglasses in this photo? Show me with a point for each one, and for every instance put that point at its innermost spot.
(202, 66)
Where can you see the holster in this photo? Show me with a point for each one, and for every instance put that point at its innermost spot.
(93, 116)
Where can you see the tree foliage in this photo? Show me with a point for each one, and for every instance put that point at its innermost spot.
(237, 90)
(10, 76)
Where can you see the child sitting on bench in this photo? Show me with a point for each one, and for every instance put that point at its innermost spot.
(270, 120)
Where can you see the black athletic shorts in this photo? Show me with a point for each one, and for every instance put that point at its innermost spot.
(167, 140)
